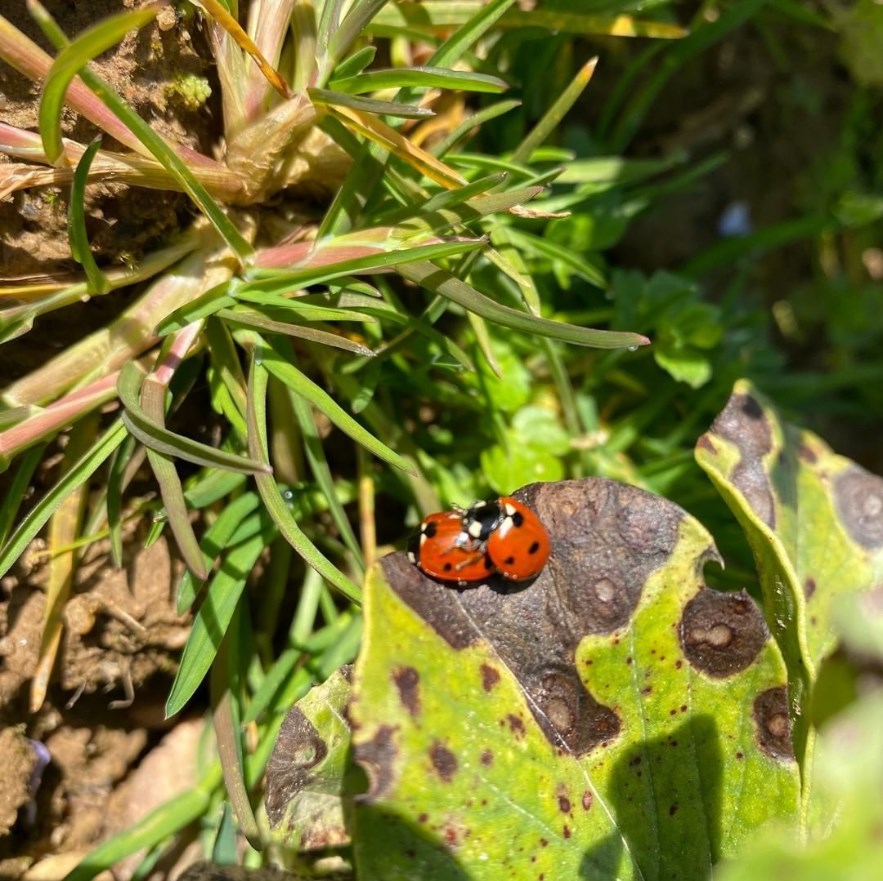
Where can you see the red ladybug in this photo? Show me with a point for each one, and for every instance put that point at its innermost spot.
(515, 540)
(442, 549)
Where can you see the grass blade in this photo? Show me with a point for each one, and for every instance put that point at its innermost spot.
(441, 282)
(216, 539)
(272, 497)
(168, 819)
(278, 361)
(158, 438)
(64, 527)
(79, 473)
(420, 78)
(76, 224)
(214, 616)
(76, 55)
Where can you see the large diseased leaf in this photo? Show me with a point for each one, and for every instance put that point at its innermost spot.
(814, 521)
(613, 719)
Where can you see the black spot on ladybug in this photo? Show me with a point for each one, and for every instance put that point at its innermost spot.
(443, 761)
(517, 518)
(772, 724)
(429, 530)
(377, 756)
(858, 498)
(448, 567)
(490, 676)
(534, 547)
(407, 681)
(721, 633)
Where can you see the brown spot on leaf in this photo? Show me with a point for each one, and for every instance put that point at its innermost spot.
(809, 587)
(672, 809)
(743, 423)
(564, 804)
(567, 710)
(516, 726)
(486, 758)
(705, 443)
(858, 498)
(490, 676)
(443, 761)
(807, 454)
(298, 750)
(565, 831)
(772, 724)
(721, 633)
(407, 680)
(452, 835)
(588, 798)
(377, 757)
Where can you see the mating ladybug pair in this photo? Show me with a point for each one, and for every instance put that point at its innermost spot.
(502, 537)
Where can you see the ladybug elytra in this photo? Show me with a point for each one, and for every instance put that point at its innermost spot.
(502, 536)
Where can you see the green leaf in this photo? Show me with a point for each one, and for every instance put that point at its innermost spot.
(849, 768)
(369, 105)
(615, 717)
(260, 320)
(224, 532)
(532, 449)
(814, 521)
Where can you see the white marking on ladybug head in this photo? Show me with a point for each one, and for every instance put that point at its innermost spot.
(474, 529)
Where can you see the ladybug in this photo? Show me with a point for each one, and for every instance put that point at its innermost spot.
(514, 539)
(442, 549)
